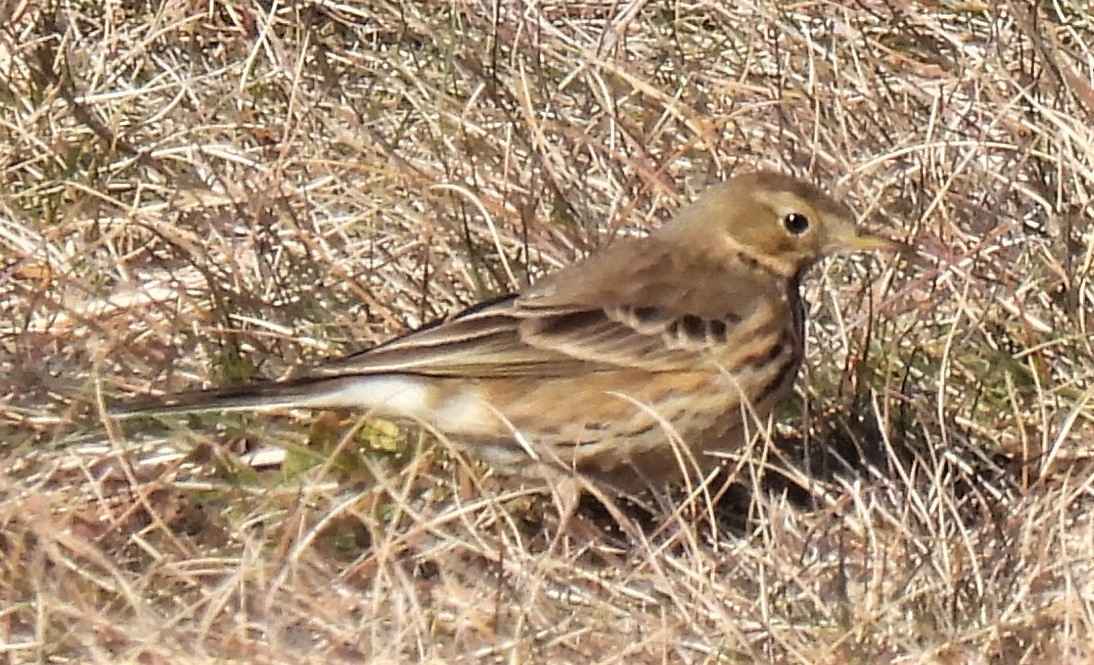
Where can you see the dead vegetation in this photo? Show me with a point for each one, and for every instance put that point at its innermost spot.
(195, 193)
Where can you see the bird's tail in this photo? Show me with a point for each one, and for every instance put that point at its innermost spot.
(321, 393)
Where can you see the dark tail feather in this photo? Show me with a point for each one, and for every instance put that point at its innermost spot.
(301, 393)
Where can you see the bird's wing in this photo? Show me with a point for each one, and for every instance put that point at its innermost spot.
(482, 341)
(597, 316)
(650, 337)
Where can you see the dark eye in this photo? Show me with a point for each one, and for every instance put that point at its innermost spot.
(796, 223)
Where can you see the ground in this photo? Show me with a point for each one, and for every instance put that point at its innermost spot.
(195, 193)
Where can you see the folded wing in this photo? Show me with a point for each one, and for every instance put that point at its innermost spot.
(556, 329)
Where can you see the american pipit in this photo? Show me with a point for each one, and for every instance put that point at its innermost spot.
(692, 334)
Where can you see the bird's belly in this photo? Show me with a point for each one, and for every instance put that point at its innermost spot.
(638, 429)
(630, 427)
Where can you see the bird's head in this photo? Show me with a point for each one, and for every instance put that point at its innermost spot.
(784, 223)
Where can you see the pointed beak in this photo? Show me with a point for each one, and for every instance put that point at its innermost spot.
(862, 241)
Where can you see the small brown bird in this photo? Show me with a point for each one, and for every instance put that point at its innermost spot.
(690, 335)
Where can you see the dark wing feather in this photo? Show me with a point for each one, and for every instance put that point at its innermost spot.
(646, 337)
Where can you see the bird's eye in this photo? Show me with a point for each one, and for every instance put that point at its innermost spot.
(796, 223)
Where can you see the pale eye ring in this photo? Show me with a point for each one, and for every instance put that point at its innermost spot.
(796, 223)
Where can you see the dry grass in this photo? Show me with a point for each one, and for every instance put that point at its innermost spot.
(198, 192)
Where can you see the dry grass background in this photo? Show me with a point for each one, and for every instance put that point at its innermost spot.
(195, 192)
